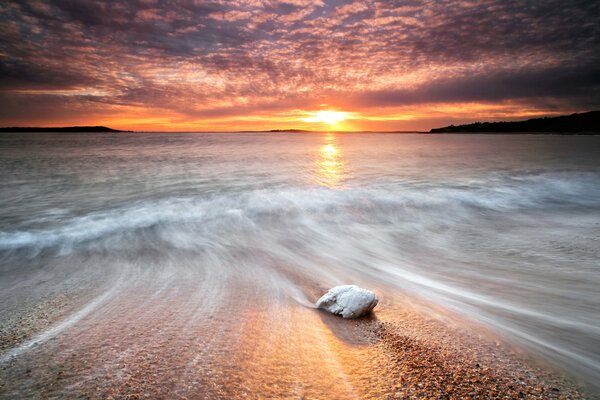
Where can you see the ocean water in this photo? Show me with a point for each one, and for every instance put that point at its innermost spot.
(502, 229)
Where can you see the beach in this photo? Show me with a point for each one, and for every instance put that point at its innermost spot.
(188, 265)
(164, 340)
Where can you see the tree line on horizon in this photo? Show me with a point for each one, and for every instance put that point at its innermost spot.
(588, 122)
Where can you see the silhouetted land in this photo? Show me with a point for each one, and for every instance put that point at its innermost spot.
(584, 123)
(62, 129)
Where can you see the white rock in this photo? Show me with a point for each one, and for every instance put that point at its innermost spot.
(349, 301)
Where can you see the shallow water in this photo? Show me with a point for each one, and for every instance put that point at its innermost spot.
(502, 229)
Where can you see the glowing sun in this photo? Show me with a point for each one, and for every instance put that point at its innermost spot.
(327, 117)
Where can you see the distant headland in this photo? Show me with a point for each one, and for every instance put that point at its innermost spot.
(62, 129)
(584, 123)
(288, 130)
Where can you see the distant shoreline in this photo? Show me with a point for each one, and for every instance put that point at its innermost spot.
(582, 124)
(424, 133)
(76, 129)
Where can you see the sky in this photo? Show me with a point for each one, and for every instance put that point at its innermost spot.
(169, 65)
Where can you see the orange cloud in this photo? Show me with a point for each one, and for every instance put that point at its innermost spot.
(268, 64)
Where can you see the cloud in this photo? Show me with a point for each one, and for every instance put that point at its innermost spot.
(578, 84)
(16, 74)
(221, 57)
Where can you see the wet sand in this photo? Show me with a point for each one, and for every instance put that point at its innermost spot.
(183, 331)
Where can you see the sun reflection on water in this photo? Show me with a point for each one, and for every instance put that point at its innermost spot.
(330, 166)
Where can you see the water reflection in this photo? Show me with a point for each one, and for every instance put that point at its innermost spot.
(330, 166)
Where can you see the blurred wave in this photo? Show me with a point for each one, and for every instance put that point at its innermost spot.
(252, 209)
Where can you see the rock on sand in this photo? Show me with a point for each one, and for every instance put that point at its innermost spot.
(349, 301)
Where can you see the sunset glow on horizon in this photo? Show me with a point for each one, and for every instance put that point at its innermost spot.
(155, 65)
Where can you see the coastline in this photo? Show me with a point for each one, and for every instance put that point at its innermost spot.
(194, 272)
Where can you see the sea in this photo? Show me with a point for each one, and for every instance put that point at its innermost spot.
(500, 229)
